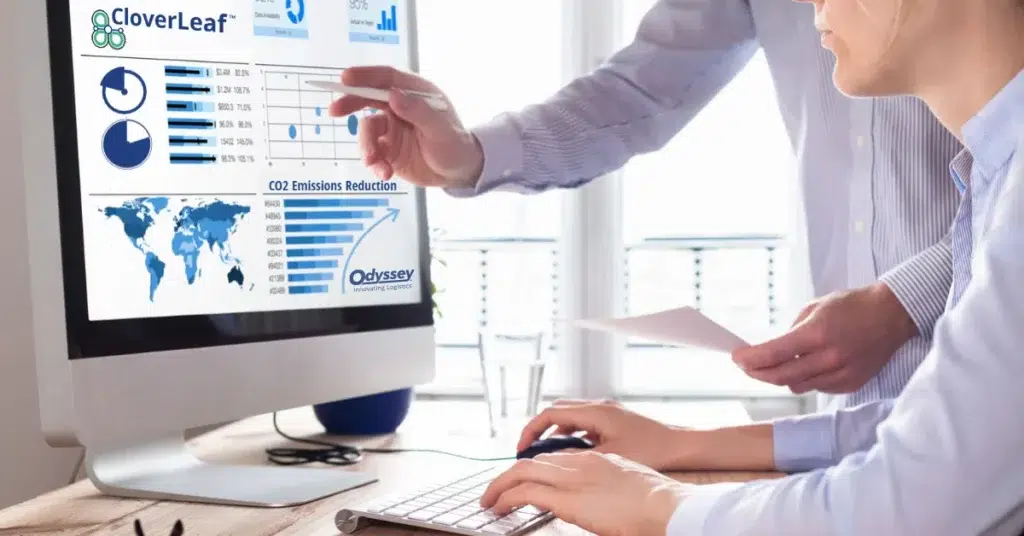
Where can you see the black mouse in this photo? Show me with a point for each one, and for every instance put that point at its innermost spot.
(554, 444)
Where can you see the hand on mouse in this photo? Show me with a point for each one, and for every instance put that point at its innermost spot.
(409, 139)
(611, 427)
(600, 493)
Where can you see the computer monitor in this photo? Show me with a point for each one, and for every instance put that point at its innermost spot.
(203, 241)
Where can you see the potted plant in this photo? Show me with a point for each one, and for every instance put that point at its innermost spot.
(376, 414)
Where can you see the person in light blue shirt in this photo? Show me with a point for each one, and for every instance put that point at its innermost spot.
(949, 457)
(873, 174)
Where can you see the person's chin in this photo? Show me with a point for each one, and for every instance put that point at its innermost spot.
(855, 85)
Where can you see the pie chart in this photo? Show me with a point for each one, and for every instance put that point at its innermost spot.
(127, 144)
(124, 91)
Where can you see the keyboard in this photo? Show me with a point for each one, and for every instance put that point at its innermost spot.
(452, 506)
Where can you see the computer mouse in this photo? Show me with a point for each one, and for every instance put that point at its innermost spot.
(554, 444)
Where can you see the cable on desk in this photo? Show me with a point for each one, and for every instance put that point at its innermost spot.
(338, 454)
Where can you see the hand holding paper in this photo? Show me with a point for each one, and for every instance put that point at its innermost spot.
(684, 326)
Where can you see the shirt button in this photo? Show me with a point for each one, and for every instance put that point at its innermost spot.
(860, 141)
(507, 173)
(859, 226)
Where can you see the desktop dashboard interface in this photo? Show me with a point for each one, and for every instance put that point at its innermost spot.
(212, 178)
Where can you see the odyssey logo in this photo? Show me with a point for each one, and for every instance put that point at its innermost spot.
(108, 28)
(379, 277)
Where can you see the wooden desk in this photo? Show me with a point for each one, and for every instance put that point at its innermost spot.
(80, 510)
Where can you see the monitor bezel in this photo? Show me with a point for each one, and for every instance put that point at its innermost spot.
(96, 339)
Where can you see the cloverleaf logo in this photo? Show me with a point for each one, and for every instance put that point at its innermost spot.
(103, 35)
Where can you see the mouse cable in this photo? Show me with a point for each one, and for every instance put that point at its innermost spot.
(338, 454)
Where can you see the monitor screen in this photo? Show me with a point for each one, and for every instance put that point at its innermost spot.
(203, 182)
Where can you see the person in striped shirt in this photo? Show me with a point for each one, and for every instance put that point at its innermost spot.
(873, 175)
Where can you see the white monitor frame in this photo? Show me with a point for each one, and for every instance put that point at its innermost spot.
(140, 404)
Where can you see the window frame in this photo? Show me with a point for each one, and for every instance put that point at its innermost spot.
(592, 247)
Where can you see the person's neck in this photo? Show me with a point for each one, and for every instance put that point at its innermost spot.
(980, 67)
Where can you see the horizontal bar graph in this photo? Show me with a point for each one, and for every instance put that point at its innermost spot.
(319, 232)
(187, 72)
(329, 215)
(192, 141)
(312, 265)
(190, 106)
(322, 227)
(188, 89)
(315, 240)
(322, 252)
(308, 289)
(189, 123)
(314, 277)
(335, 203)
(190, 158)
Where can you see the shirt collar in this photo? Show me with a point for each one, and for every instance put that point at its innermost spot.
(960, 169)
(991, 135)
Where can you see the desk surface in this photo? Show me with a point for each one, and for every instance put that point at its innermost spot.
(80, 509)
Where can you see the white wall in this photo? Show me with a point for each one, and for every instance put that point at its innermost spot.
(28, 466)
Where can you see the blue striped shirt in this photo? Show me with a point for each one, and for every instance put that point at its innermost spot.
(948, 458)
(877, 197)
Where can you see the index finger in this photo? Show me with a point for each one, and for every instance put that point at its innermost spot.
(523, 472)
(386, 77)
(779, 350)
(571, 417)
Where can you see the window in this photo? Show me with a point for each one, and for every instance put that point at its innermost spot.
(493, 247)
(704, 228)
(682, 234)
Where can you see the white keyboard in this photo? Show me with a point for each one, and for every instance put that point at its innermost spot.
(452, 506)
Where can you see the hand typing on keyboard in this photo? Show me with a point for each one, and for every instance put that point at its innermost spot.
(602, 493)
(452, 506)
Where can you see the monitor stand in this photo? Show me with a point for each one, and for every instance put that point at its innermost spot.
(165, 470)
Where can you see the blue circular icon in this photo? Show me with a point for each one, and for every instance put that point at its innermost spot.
(127, 144)
(296, 10)
(124, 91)
(353, 125)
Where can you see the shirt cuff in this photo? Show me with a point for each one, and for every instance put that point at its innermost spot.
(693, 511)
(805, 442)
(922, 283)
(503, 158)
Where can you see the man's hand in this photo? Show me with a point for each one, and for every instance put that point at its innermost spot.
(612, 428)
(601, 493)
(409, 138)
(836, 344)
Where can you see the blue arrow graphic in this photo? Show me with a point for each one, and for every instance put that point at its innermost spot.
(391, 215)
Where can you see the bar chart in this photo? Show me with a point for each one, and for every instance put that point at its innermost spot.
(309, 239)
(375, 22)
(191, 110)
(299, 126)
(209, 114)
(388, 20)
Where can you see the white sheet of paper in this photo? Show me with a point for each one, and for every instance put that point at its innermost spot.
(684, 326)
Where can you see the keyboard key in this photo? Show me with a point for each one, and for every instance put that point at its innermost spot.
(495, 528)
(447, 519)
(473, 523)
(422, 515)
(528, 509)
(400, 511)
